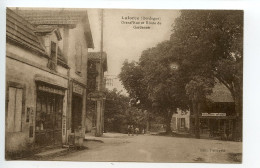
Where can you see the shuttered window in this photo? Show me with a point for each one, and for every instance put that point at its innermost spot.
(78, 58)
(14, 115)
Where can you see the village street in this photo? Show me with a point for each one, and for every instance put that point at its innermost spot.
(151, 148)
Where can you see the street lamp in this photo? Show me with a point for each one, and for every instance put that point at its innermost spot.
(174, 66)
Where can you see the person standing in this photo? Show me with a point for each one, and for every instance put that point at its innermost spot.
(132, 130)
(136, 131)
(128, 130)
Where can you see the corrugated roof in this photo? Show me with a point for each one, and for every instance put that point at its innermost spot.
(58, 17)
(220, 94)
(96, 57)
(21, 32)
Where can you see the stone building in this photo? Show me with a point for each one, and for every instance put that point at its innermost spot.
(46, 76)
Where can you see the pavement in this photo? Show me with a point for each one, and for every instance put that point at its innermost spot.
(116, 147)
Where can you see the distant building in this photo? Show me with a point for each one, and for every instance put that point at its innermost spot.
(96, 84)
(46, 76)
(181, 121)
(216, 115)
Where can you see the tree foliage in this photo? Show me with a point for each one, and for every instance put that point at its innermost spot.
(118, 113)
(210, 46)
(154, 83)
(207, 46)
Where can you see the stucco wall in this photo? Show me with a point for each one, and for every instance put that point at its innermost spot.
(76, 37)
(25, 74)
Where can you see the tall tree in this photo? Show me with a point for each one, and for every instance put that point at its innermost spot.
(115, 112)
(156, 84)
(210, 46)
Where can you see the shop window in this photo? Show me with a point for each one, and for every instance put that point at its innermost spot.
(15, 105)
(182, 122)
(49, 111)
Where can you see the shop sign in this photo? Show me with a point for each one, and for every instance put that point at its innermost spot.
(213, 114)
(50, 90)
(97, 95)
(77, 89)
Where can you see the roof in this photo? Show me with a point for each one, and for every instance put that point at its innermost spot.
(45, 28)
(21, 32)
(95, 56)
(60, 17)
(220, 94)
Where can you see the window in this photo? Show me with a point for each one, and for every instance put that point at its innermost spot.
(53, 54)
(78, 58)
(15, 105)
(49, 111)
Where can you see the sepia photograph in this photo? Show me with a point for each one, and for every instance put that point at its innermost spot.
(124, 85)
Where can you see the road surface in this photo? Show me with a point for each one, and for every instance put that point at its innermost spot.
(150, 148)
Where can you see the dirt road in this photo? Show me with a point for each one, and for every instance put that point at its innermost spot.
(149, 148)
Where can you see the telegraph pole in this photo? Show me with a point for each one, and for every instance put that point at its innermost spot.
(99, 125)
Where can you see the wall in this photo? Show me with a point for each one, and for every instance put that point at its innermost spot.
(76, 45)
(22, 67)
(76, 38)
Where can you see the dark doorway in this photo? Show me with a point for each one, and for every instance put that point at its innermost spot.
(76, 115)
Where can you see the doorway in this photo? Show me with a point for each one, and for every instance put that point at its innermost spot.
(76, 115)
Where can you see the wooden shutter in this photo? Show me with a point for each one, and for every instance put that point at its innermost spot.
(11, 109)
(15, 104)
(78, 57)
(18, 110)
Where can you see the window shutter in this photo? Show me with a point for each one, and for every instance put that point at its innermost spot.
(11, 109)
(18, 110)
(14, 116)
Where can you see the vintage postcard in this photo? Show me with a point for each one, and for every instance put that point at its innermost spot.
(124, 85)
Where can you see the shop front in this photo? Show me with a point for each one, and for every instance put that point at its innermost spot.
(78, 105)
(215, 125)
(49, 114)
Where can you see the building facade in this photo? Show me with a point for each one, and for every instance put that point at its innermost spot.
(217, 115)
(46, 76)
(180, 121)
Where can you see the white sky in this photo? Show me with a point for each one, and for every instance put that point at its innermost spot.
(121, 41)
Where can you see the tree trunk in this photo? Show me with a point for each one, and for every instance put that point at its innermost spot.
(168, 120)
(148, 122)
(195, 106)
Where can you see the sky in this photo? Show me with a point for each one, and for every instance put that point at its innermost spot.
(122, 41)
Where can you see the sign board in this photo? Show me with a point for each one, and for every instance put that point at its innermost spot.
(96, 95)
(213, 114)
(78, 89)
(51, 90)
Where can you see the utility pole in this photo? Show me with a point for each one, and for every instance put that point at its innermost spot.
(99, 125)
